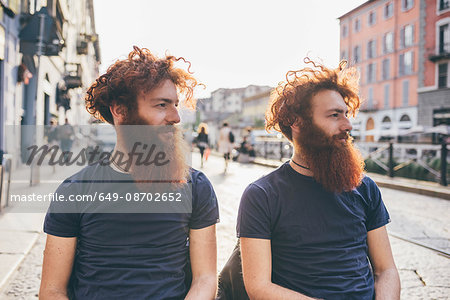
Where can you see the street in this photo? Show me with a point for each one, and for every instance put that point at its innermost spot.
(424, 273)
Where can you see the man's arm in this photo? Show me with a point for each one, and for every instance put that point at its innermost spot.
(256, 258)
(203, 252)
(59, 255)
(387, 280)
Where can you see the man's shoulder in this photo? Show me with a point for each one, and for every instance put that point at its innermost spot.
(269, 182)
(87, 171)
(368, 190)
(367, 185)
(198, 177)
(89, 174)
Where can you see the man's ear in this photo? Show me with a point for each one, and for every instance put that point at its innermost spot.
(295, 127)
(118, 111)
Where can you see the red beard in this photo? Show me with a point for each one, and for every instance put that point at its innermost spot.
(167, 139)
(337, 165)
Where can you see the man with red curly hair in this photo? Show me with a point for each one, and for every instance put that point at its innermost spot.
(160, 245)
(315, 227)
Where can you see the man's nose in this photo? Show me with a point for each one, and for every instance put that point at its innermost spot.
(346, 125)
(173, 117)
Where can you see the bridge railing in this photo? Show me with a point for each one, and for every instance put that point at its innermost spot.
(390, 157)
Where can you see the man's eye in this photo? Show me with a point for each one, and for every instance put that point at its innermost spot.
(335, 115)
(162, 105)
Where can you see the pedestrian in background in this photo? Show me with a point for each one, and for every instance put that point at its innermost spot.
(251, 136)
(66, 135)
(226, 141)
(202, 140)
(52, 132)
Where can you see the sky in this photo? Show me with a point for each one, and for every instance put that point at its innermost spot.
(230, 43)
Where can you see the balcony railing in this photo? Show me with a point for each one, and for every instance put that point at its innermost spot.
(443, 53)
(73, 77)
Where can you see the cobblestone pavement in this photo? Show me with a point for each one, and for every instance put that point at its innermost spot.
(424, 273)
(24, 283)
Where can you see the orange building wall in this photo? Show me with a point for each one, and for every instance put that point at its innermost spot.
(377, 31)
(430, 41)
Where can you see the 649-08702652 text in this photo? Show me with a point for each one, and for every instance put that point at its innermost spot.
(100, 197)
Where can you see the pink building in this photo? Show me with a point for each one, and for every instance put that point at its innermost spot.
(434, 65)
(382, 38)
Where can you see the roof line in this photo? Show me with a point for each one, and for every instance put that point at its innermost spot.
(356, 8)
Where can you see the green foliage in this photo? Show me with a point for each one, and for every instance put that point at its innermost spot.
(372, 167)
(259, 123)
(412, 170)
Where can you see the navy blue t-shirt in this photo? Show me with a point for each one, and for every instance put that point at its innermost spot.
(318, 238)
(130, 255)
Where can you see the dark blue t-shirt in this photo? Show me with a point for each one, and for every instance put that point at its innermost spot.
(318, 239)
(130, 255)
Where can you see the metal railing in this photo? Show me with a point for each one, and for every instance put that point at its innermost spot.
(391, 157)
(271, 148)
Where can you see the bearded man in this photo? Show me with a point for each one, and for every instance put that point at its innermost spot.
(315, 227)
(149, 230)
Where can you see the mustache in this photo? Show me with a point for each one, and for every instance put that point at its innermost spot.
(168, 128)
(344, 135)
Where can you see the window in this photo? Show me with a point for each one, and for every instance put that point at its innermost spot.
(386, 72)
(357, 25)
(387, 88)
(359, 71)
(405, 93)
(371, 49)
(371, 73)
(370, 99)
(388, 10)
(406, 63)
(344, 31)
(442, 75)
(407, 36)
(344, 55)
(407, 4)
(372, 18)
(444, 39)
(405, 118)
(357, 54)
(444, 4)
(386, 123)
(388, 42)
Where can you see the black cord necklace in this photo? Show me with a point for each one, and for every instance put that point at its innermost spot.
(306, 168)
(119, 167)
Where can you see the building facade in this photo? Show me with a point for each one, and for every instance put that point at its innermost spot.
(434, 64)
(226, 105)
(10, 93)
(254, 109)
(47, 68)
(230, 100)
(381, 38)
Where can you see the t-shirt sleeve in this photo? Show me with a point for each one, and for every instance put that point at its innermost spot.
(62, 218)
(254, 214)
(378, 215)
(205, 209)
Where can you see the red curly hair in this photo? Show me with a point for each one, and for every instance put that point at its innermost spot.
(292, 98)
(126, 79)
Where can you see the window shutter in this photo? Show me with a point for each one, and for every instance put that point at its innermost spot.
(402, 37)
(401, 64)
